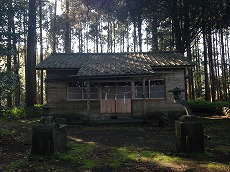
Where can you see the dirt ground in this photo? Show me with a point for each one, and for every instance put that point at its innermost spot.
(15, 147)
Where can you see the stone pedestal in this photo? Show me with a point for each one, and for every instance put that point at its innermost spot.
(189, 134)
(48, 138)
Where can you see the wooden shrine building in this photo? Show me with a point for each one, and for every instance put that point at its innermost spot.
(99, 86)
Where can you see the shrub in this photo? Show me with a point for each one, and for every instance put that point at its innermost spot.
(21, 112)
(202, 106)
(14, 113)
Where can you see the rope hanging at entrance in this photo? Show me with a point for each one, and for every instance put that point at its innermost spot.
(112, 93)
(106, 93)
(115, 97)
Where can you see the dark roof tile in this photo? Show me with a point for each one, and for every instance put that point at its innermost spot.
(108, 64)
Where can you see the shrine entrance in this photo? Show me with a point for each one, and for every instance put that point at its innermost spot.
(116, 97)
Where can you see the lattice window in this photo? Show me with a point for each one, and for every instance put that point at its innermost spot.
(154, 89)
(78, 91)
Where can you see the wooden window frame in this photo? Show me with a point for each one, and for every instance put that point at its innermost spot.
(148, 90)
(83, 93)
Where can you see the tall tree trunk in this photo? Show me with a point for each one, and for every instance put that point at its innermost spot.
(97, 34)
(111, 36)
(172, 39)
(219, 91)
(140, 33)
(108, 37)
(189, 55)
(123, 40)
(114, 37)
(190, 77)
(16, 67)
(154, 34)
(177, 28)
(215, 66)
(41, 52)
(127, 37)
(207, 95)
(223, 65)
(101, 36)
(54, 25)
(87, 38)
(9, 47)
(31, 56)
(67, 29)
(134, 36)
(198, 70)
(206, 83)
(211, 66)
(80, 40)
(227, 50)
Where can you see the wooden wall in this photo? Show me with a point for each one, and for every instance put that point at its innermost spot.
(173, 78)
(56, 91)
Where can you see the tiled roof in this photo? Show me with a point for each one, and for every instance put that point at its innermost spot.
(110, 64)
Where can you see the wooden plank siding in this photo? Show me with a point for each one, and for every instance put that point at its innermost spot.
(108, 106)
(123, 106)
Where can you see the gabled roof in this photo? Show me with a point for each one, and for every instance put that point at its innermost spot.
(114, 64)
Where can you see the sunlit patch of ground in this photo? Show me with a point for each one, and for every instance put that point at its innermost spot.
(218, 117)
(120, 148)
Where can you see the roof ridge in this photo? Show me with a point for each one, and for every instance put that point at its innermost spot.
(112, 53)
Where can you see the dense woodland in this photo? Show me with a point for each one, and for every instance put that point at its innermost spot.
(30, 30)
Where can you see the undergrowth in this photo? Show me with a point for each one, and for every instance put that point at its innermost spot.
(20, 112)
(201, 106)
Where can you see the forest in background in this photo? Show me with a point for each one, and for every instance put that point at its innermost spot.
(30, 30)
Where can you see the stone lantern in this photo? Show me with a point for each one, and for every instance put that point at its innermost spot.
(46, 110)
(49, 136)
(189, 129)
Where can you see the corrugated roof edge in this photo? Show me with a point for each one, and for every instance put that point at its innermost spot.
(39, 66)
(149, 52)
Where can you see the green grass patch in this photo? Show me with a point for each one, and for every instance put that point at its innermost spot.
(83, 154)
(160, 157)
(223, 149)
(5, 133)
(116, 158)
(37, 166)
(216, 166)
(15, 165)
(202, 156)
(42, 166)
(88, 164)
(79, 153)
(146, 155)
(30, 121)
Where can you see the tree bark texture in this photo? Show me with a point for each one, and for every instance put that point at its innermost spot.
(31, 56)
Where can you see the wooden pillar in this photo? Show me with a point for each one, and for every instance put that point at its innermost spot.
(144, 99)
(132, 96)
(185, 85)
(88, 99)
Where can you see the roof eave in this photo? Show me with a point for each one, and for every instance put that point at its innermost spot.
(111, 76)
(44, 68)
(171, 67)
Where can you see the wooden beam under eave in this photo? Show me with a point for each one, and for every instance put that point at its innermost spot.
(88, 100)
(144, 99)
